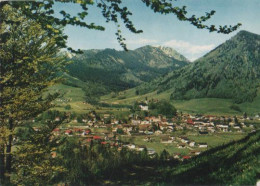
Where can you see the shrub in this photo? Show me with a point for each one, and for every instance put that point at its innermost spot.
(67, 107)
(235, 107)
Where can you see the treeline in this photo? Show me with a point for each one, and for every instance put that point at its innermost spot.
(155, 108)
(94, 163)
(80, 162)
(74, 161)
(234, 163)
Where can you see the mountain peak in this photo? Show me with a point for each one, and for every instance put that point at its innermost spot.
(172, 53)
(231, 71)
(246, 34)
(146, 47)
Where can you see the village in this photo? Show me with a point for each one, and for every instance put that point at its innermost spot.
(180, 134)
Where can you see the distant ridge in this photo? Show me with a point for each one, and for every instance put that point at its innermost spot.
(120, 70)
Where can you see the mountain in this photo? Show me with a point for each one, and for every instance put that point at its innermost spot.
(120, 70)
(232, 70)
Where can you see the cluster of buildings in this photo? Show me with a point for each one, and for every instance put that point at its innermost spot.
(152, 128)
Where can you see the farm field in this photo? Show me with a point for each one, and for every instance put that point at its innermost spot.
(75, 97)
(214, 106)
(213, 140)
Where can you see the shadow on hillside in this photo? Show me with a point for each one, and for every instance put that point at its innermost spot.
(219, 165)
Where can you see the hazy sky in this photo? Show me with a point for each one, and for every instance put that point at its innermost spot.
(166, 30)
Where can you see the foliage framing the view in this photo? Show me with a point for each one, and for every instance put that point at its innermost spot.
(113, 11)
(29, 65)
(31, 37)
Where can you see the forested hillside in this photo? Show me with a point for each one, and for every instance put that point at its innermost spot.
(120, 70)
(236, 163)
(232, 71)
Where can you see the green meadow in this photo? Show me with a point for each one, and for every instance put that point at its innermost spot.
(75, 97)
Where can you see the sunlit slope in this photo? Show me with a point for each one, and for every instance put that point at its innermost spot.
(202, 105)
(230, 71)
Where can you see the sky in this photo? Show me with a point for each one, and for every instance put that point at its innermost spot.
(166, 30)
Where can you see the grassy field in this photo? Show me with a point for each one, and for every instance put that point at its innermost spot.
(75, 97)
(214, 106)
(156, 144)
(253, 107)
(217, 139)
(206, 106)
(213, 140)
(236, 163)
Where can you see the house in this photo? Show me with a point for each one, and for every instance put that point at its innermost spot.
(166, 140)
(144, 127)
(186, 157)
(75, 120)
(184, 140)
(114, 129)
(136, 122)
(158, 132)
(179, 127)
(198, 122)
(163, 126)
(131, 146)
(192, 144)
(96, 138)
(143, 107)
(194, 152)
(145, 122)
(68, 132)
(148, 139)
(211, 129)
(151, 151)
(77, 130)
(203, 132)
(57, 119)
(86, 132)
(106, 116)
(203, 145)
(113, 121)
(170, 128)
(148, 132)
(172, 137)
(181, 145)
(237, 129)
(154, 119)
(223, 128)
(109, 137)
(140, 147)
(54, 154)
(56, 131)
(190, 121)
(176, 155)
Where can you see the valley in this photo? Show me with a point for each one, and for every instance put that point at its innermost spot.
(175, 113)
(232, 91)
(112, 92)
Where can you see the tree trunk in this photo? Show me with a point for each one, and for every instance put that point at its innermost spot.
(9, 148)
(2, 164)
